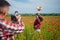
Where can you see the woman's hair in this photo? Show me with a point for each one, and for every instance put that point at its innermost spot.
(14, 19)
(41, 19)
(16, 11)
(3, 3)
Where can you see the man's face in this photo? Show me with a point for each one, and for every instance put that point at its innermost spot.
(36, 16)
(5, 10)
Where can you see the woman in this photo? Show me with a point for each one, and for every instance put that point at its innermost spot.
(13, 17)
(37, 22)
(7, 29)
(19, 21)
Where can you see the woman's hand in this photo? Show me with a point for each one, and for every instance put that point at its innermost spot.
(18, 17)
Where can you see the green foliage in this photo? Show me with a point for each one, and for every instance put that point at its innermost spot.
(43, 14)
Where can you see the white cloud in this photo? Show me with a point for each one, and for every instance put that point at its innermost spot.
(31, 6)
(22, 7)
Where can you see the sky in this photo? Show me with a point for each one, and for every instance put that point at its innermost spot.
(30, 6)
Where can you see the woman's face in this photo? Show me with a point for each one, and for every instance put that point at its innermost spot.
(5, 10)
(18, 17)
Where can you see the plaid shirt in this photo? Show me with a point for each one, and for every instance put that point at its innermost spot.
(8, 28)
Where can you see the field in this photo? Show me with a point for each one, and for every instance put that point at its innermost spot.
(50, 29)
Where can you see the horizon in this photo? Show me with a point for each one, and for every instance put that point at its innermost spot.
(35, 13)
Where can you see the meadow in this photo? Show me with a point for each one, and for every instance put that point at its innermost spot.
(50, 29)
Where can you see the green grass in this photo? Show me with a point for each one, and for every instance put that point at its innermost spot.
(30, 34)
(48, 24)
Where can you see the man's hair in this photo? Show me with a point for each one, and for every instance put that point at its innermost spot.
(4, 3)
(41, 19)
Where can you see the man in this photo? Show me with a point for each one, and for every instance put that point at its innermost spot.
(7, 29)
(37, 22)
